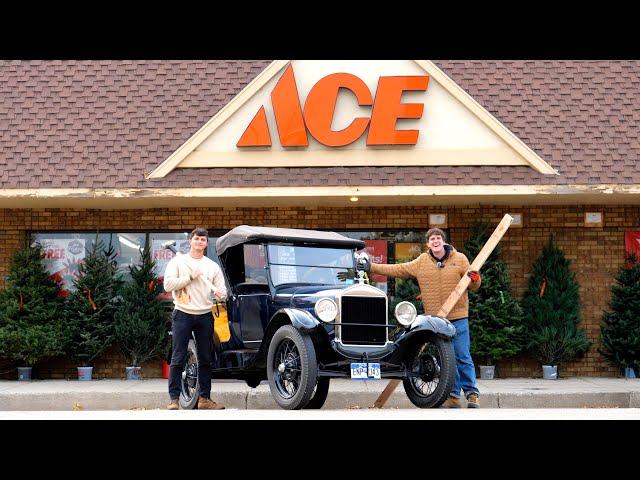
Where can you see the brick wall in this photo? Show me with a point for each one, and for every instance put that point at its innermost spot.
(596, 253)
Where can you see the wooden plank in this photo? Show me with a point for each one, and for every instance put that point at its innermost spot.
(461, 287)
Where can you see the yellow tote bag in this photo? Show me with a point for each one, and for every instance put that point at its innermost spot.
(221, 323)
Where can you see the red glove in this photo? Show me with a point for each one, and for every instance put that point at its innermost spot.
(474, 276)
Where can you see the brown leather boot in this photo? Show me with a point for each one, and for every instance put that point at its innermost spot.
(207, 404)
(173, 405)
(473, 401)
(451, 402)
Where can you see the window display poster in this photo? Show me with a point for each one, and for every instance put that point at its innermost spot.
(405, 252)
(62, 259)
(377, 251)
(632, 243)
(162, 256)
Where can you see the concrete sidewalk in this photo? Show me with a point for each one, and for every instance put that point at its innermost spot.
(579, 392)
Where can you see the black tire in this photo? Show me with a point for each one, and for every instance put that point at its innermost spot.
(320, 394)
(433, 363)
(189, 395)
(292, 370)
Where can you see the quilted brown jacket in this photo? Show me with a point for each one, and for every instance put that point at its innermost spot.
(436, 284)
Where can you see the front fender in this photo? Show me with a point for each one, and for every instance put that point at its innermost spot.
(300, 319)
(434, 324)
(427, 323)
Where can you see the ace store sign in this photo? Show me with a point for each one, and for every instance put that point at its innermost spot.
(316, 118)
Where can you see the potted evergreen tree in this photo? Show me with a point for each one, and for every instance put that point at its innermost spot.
(30, 312)
(90, 308)
(140, 319)
(495, 317)
(551, 307)
(620, 326)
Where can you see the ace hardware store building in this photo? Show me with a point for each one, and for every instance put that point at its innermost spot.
(139, 152)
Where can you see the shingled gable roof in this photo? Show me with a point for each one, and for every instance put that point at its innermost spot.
(105, 124)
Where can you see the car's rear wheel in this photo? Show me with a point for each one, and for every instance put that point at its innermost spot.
(319, 394)
(189, 394)
(432, 371)
(291, 368)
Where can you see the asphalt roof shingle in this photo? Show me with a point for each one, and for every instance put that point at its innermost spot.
(104, 124)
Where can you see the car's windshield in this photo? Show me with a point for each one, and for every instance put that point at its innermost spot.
(313, 265)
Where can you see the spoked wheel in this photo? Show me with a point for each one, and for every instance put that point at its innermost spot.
(291, 368)
(189, 394)
(320, 394)
(432, 372)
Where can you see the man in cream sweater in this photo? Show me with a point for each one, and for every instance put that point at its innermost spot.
(192, 301)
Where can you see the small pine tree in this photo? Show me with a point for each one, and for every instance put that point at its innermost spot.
(140, 319)
(30, 310)
(620, 327)
(495, 317)
(551, 307)
(90, 308)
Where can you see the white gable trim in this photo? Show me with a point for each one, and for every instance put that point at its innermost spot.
(177, 157)
(218, 119)
(489, 120)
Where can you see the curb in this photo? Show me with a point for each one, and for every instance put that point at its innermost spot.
(260, 399)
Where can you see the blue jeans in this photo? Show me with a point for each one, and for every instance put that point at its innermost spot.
(465, 370)
(182, 326)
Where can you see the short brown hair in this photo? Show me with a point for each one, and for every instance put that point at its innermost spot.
(199, 231)
(435, 231)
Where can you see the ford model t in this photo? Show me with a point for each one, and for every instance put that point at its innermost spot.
(300, 314)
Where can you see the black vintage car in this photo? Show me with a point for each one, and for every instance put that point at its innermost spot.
(300, 314)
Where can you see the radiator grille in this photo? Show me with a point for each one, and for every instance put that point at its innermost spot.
(369, 310)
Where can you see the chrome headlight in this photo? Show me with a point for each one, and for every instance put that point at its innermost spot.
(326, 309)
(405, 313)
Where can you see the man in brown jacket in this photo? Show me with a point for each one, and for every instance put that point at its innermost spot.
(438, 272)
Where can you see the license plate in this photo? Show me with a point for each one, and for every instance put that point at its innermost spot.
(365, 371)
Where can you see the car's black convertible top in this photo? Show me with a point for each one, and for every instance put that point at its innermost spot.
(246, 234)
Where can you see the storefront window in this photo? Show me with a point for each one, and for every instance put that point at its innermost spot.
(162, 255)
(211, 249)
(64, 251)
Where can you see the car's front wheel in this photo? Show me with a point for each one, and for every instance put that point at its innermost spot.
(291, 368)
(189, 394)
(319, 394)
(432, 371)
